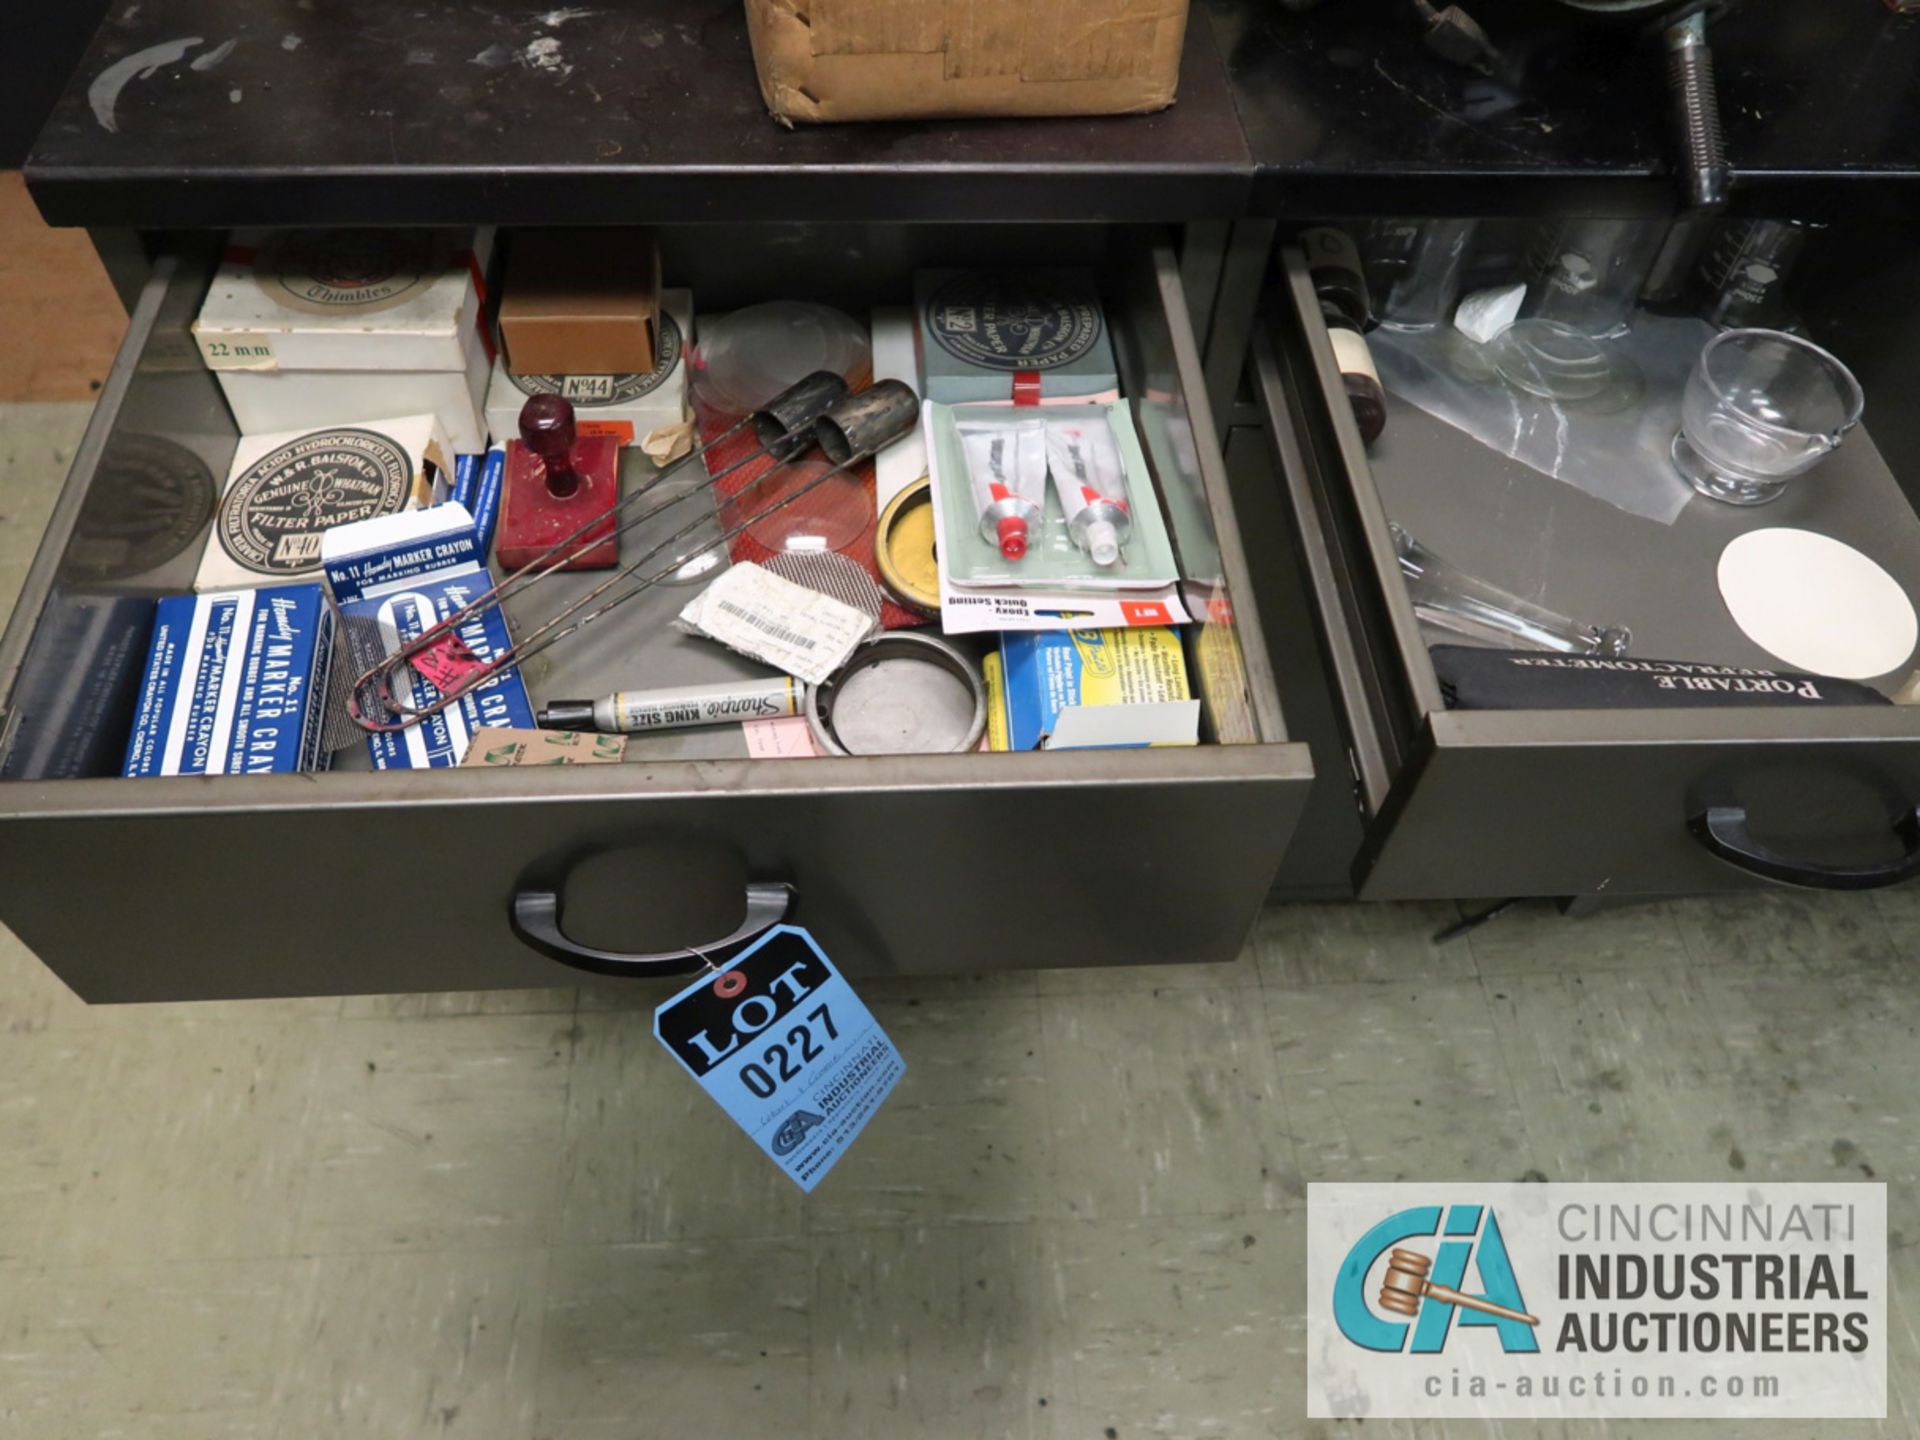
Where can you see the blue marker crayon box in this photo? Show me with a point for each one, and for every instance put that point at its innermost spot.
(235, 684)
(395, 577)
(477, 483)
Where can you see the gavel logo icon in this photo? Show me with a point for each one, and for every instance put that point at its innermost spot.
(1406, 1284)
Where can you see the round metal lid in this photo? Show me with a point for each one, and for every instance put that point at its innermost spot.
(901, 693)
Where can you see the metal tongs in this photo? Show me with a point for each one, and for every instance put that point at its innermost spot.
(848, 429)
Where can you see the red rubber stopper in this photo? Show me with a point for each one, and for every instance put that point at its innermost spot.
(1013, 537)
(547, 429)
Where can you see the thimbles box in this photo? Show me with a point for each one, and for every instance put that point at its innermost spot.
(303, 327)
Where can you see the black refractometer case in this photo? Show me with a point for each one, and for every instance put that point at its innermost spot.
(1475, 679)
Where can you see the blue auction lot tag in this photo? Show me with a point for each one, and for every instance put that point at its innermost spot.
(786, 1047)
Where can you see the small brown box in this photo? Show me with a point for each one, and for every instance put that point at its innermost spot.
(921, 59)
(581, 302)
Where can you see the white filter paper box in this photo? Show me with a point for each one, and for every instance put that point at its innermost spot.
(285, 490)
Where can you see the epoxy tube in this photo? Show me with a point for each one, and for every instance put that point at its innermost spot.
(627, 711)
(1007, 466)
(1091, 479)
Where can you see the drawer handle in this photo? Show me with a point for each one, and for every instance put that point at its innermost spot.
(536, 920)
(1723, 830)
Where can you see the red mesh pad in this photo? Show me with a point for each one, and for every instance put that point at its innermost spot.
(744, 547)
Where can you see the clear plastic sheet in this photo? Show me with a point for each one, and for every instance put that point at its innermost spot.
(1611, 437)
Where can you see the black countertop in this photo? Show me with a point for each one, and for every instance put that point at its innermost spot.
(1347, 113)
(368, 111)
(371, 111)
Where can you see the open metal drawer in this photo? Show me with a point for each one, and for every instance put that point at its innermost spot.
(356, 882)
(1490, 804)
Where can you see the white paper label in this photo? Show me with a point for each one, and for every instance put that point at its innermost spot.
(787, 738)
(798, 630)
(229, 351)
(1351, 354)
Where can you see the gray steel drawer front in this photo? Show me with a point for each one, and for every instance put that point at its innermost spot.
(188, 888)
(1492, 804)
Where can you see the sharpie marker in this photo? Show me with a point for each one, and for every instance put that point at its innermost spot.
(627, 711)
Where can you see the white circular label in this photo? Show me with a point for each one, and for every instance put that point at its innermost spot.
(324, 272)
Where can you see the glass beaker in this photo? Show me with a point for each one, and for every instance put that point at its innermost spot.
(1448, 598)
(1761, 407)
(1746, 271)
(1386, 248)
(1589, 273)
(1423, 294)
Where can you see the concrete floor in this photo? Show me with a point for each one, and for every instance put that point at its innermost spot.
(1080, 1216)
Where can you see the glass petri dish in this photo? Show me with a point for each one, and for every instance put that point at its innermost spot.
(746, 357)
(1556, 362)
(672, 505)
(828, 516)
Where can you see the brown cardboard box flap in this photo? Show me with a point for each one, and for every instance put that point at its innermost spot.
(923, 59)
(581, 302)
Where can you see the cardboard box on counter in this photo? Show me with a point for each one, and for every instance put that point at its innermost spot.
(396, 577)
(982, 330)
(284, 492)
(581, 302)
(303, 327)
(888, 60)
(235, 685)
(627, 406)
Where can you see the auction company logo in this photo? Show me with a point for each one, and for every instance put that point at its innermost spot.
(1596, 1301)
(1472, 1235)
